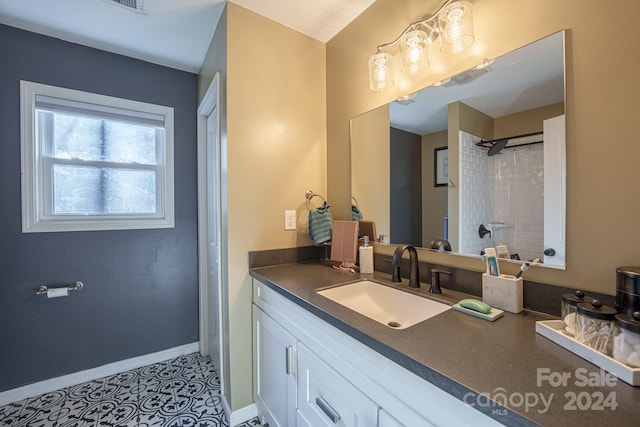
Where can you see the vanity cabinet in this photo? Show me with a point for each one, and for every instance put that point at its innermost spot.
(325, 398)
(273, 367)
(309, 373)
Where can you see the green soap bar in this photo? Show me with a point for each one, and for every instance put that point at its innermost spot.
(475, 305)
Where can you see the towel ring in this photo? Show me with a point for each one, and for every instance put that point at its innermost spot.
(309, 195)
(356, 204)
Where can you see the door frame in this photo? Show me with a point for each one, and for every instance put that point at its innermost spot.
(209, 105)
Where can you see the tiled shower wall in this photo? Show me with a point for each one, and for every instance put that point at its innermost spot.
(476, 201)
(505, 188)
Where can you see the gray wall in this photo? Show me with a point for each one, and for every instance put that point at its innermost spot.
(406, 187)
(141, 291)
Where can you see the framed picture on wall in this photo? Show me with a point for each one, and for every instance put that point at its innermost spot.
(441, 166)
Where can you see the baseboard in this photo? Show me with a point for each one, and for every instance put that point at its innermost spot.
(227, 408)
(52, 384)
(242, 414)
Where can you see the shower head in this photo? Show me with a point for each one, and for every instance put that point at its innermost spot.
(497, 147)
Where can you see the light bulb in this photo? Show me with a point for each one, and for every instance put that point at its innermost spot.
(456, 23)
(414, 52)
(380, 72)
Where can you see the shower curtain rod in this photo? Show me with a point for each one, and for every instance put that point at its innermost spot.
(490, 143)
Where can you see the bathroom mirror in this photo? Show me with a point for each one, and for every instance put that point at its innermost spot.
(503, 188)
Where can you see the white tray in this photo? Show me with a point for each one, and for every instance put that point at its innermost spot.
(552, 329)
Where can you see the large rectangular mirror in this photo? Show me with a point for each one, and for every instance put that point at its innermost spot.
(494, 136)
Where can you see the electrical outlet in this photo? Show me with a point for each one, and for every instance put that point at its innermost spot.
(289, 220)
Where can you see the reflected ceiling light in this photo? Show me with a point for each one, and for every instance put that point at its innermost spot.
(407, 99)
(442, 82)
(452, 24)
(486, 62)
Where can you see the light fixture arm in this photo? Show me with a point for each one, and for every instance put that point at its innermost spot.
(423, 22)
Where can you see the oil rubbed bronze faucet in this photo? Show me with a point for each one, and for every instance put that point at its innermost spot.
(414, 276)
(435, 280)
(445, 245)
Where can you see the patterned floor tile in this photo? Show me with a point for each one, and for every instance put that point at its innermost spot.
(254, 422)
(9, 412)
(181, 392)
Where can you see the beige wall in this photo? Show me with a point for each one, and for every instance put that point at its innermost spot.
(216, 62)
(461, 117)
(526, 121)
(276, 150)
(281, 136)
(434, 199)
(602, 171)
(371, 166)
(276, 130)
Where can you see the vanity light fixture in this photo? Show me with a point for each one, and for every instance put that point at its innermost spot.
(486, 62)
(452, 24)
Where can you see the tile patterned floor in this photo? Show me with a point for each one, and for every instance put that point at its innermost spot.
(182, 392)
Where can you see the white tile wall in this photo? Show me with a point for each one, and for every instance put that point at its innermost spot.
(516, 179)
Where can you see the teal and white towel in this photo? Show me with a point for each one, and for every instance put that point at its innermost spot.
(356, 215)
(320, 225)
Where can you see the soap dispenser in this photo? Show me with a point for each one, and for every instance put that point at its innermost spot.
(366, 257)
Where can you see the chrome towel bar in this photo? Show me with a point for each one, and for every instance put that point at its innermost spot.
(75, 286)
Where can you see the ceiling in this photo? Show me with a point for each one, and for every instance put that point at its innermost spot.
(174, 33)
(526, 78)
(177, 34)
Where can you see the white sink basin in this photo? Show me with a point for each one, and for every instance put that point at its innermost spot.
(392, 307)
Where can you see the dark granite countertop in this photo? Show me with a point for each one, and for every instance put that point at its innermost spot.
(471, 358)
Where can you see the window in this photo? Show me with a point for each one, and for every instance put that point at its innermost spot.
(94, 162)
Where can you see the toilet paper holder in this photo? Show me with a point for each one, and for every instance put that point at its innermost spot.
(75, 286)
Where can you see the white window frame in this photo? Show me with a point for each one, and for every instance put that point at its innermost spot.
(35, 217)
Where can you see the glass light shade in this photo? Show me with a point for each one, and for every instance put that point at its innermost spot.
(380, 72)
(456, 26)
(414, 52)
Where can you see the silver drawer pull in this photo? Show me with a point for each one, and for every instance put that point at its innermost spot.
(327, 409)
(288, 359)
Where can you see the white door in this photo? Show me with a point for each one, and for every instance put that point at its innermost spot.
(209, 228)
(213, 237)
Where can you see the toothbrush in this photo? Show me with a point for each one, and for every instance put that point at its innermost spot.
(524, 267)
(483, 257)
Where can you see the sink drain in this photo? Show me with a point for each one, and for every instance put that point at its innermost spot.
(394, 324)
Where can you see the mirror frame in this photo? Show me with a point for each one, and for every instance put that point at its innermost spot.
(378, 141)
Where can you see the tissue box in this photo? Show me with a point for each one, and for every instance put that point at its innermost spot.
(504, 292)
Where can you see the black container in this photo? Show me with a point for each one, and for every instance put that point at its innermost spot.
(627, 303)
(628, 289)
(628, 279)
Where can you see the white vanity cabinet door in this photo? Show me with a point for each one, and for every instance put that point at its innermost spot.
(274, 368)
(325, 398)
(386, 420)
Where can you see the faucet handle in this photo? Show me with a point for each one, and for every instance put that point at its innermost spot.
(435, 280)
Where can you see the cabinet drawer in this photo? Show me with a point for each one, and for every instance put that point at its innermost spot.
(325, 398)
